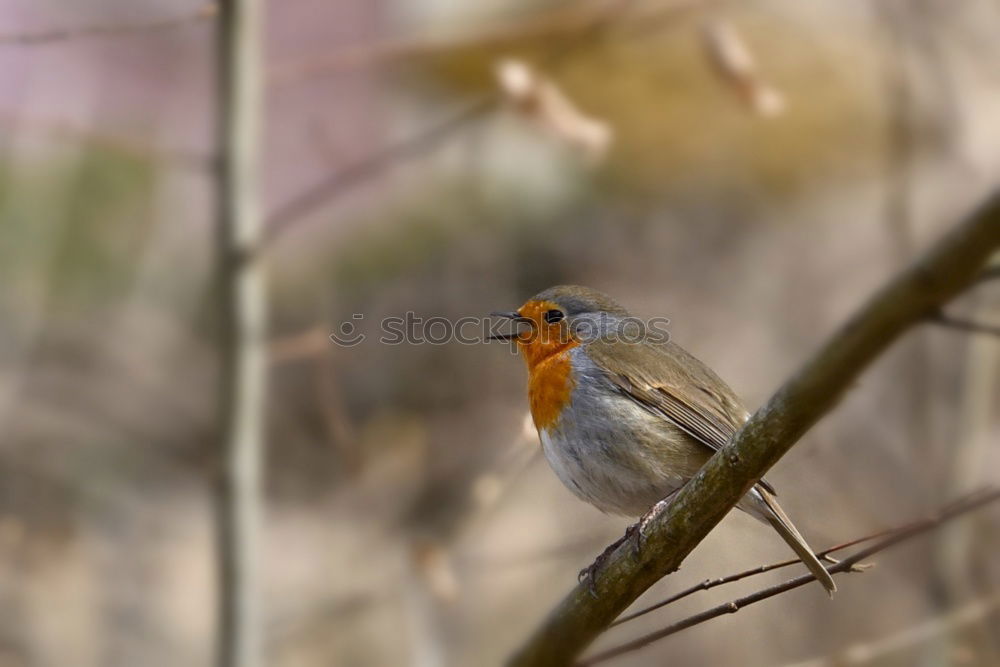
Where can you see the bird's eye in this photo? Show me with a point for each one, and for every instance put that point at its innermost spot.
(553, 316)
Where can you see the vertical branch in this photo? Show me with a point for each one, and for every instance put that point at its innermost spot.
(243, 308)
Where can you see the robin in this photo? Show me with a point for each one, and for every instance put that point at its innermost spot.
(623, 420)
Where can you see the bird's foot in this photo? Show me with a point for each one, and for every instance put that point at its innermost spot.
(589, 573)
(632, 534)
(636, 530)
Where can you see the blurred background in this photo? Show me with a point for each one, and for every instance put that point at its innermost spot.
(751, 170)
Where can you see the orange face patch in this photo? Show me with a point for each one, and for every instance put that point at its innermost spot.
(546, 352)
(544, 339)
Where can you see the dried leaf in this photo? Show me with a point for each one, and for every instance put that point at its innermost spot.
(733, 62)
(541, 100)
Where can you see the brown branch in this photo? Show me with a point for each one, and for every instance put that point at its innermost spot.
(203, 13)
(846, 565)
(942, 272)
(960, 324)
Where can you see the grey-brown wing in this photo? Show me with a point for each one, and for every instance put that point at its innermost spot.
(671, 383)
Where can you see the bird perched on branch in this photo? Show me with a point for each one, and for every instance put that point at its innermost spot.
(624, 415)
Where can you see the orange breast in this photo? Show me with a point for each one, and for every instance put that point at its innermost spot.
(549, 388)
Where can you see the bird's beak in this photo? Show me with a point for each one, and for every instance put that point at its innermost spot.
(510, 315)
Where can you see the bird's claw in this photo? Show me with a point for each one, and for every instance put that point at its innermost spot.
(632, 534)
(637, 529)
(590, 572)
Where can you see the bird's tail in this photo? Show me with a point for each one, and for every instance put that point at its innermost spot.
(776, 516)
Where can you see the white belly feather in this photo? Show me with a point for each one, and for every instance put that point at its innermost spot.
(590, 474)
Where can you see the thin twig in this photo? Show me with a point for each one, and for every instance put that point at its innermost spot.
(714, 583)
(912, 530)
(708, 584)
(960, 324)
(203, 13)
